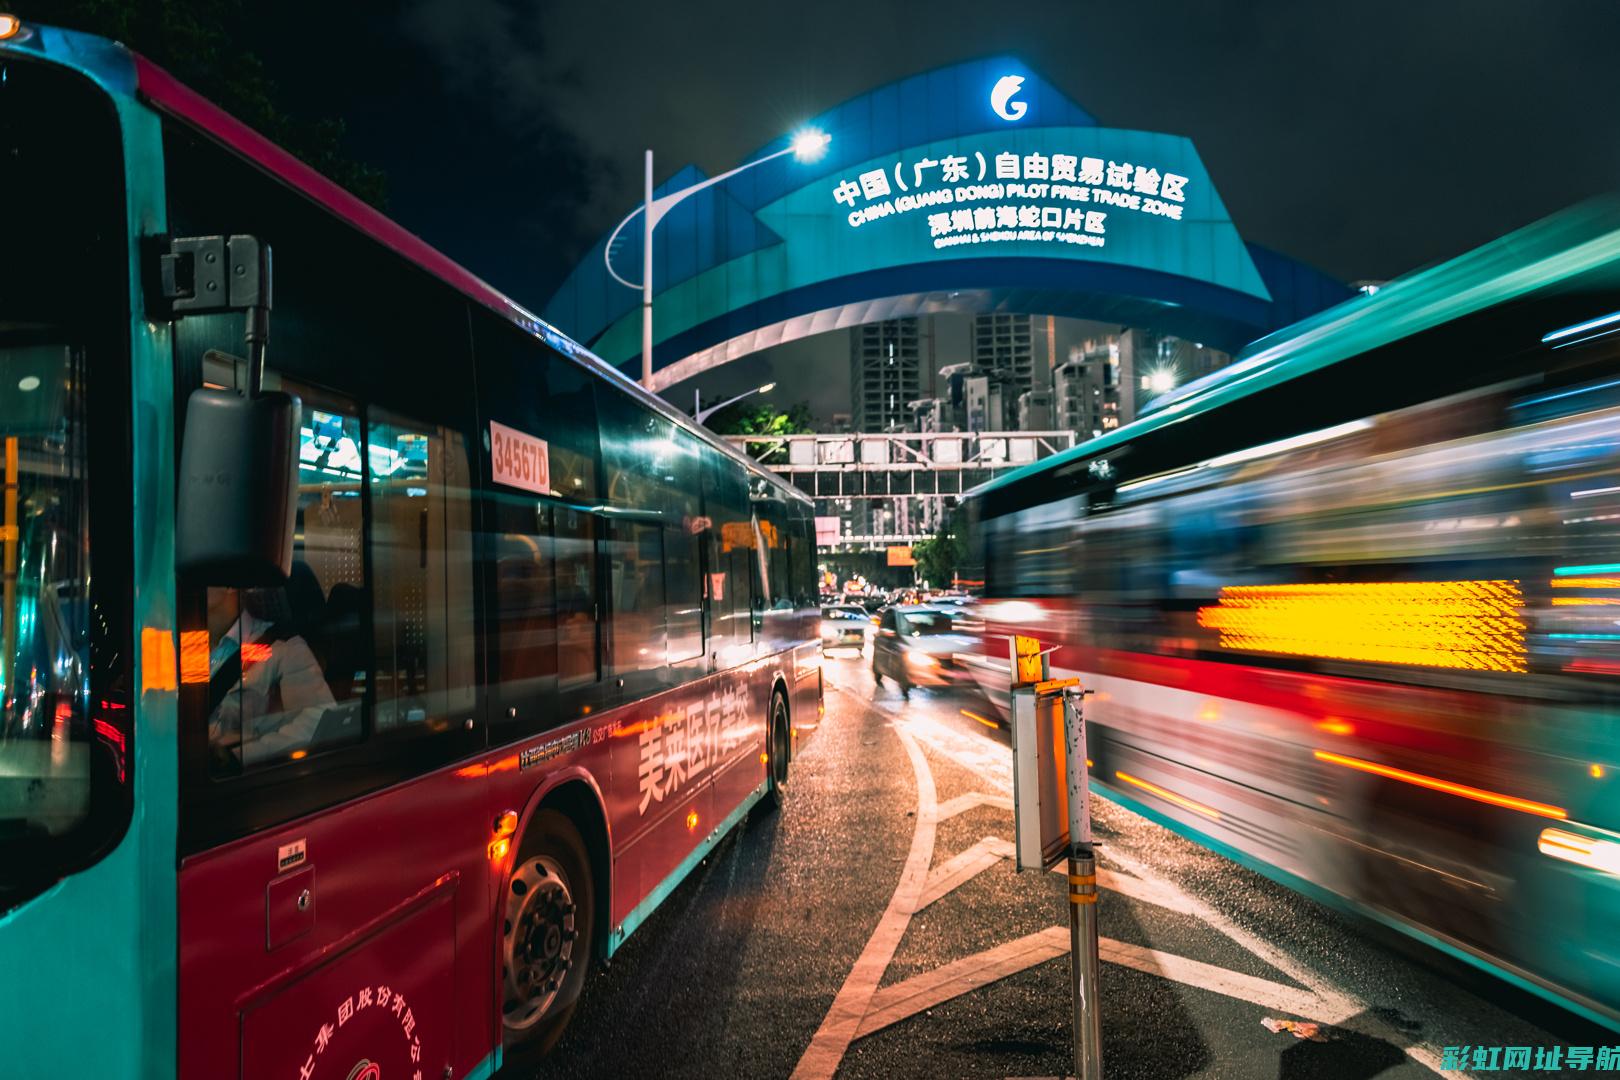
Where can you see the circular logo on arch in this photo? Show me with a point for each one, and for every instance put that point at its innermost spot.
(1003, 98)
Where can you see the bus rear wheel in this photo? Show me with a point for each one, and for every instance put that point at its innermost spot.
(779, 748)
(547, 936)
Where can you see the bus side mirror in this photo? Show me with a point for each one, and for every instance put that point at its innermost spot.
(238, 488)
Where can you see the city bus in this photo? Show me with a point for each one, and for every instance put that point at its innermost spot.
(1351, 606)
(374, 657)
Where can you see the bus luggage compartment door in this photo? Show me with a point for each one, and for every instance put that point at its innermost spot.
(382, 1008)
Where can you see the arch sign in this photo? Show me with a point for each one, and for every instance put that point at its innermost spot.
(972, 188)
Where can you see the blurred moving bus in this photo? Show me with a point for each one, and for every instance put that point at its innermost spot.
(1351, 606)
(534, 645)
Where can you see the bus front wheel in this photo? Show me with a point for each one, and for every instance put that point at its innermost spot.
(547, 936)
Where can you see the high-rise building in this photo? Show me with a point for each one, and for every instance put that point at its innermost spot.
(1006, 346)
(986, 399)
(1035, 410)
(885, 373)
(1086, 388)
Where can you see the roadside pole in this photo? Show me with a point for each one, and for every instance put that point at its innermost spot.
(1082, 895)
(1052, 818)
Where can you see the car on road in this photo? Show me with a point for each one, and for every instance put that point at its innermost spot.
(843, 626)
(916, 645)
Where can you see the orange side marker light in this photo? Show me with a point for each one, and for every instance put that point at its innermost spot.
(505, 825)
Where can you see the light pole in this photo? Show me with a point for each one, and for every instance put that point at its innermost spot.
(700, 414)
(807, 145)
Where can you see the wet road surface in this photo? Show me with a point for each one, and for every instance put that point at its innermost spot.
(875, 927)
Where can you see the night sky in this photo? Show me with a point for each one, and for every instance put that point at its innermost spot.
(1366, 139)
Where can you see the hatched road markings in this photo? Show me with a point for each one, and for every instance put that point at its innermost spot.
(860, 1008)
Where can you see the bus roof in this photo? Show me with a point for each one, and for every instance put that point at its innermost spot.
(94, 57)
(1548, 252)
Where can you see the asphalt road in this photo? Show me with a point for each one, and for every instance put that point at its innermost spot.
(875, 927)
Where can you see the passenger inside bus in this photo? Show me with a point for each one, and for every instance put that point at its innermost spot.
(267, 692)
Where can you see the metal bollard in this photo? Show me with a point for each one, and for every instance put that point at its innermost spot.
(1083, 959)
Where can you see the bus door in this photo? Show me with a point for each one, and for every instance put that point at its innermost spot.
(662, 736)
(730, 598)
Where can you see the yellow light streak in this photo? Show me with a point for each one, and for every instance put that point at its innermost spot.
(1473, 625)
(980, 719)
(1169, 796)
(1436, 784)
(1586, 583)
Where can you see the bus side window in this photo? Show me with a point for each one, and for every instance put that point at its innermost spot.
(524, 604)
(421, 552)
(725, 498)
(635, 551)
(286, 666)
(776, 536)
(574, 540)
(804, 555)
(684, 534)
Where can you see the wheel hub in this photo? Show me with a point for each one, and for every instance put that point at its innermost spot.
(537, 950)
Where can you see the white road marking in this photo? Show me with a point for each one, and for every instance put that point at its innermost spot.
(843, 1020)
(1338, 1006)
(895, 1003)
(972, 801)
(905, 999)
(860, 1008)
(960, 869)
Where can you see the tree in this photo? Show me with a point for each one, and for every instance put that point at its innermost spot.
(763, 419)
(198, 42)
(939, 556)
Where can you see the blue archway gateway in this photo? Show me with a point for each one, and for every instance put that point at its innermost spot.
(977, 187)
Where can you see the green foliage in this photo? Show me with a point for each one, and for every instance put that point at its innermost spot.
(198, 41)
(763, 419)
(939, 556)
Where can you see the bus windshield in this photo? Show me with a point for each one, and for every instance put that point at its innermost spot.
(44, 616)
(62, 297)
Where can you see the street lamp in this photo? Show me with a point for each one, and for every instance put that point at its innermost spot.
(700, 414)
(1160, 380)
(806, 145)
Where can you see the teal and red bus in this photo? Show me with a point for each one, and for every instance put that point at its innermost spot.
(372, 657)
(1349, 606)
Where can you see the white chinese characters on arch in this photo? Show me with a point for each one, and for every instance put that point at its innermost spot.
(1008, 196)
